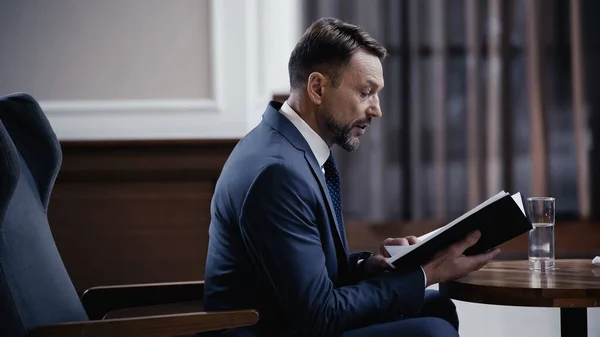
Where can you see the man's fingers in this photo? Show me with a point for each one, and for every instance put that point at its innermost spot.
(412, 240)
(493, 253)
(468, 241)
(396, 242)
(482, 259)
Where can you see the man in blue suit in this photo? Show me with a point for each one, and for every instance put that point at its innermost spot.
(277, 241)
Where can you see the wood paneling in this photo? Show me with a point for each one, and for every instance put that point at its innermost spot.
(135, 211)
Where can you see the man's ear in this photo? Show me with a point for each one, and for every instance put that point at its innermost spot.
(316, 87)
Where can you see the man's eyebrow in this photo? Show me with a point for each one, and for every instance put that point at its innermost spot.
(374, 84)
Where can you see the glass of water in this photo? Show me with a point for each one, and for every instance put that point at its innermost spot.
(541, 237)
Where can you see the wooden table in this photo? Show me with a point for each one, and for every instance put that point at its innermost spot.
(573, 287)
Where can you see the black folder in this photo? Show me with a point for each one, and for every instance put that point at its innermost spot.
(499, 219)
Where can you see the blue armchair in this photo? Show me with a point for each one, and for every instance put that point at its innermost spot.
(37, 297)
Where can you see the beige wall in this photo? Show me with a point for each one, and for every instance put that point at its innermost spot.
(148, 69)
(106, 50)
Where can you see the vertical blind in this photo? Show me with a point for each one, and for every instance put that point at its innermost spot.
(480, 96)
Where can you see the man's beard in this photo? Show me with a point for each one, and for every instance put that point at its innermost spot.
(341, 133)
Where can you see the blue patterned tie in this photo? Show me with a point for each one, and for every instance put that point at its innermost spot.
(332, 178)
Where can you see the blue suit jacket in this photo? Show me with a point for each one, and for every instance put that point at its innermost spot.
(274, 244)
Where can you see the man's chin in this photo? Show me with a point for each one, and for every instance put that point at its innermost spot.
(351, 144)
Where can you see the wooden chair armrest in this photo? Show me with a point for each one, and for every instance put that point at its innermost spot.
(152, 326)
(98, 301)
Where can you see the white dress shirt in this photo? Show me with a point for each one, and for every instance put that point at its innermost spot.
(315, 142)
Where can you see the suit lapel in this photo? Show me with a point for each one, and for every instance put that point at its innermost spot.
(280, 123)
(314, 165)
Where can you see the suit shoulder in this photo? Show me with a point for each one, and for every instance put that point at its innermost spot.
(278, 172)
(258, 150)
(254, 170)
(279, 184)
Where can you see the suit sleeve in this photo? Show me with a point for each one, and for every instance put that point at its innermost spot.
(357, 272)
(279, 229)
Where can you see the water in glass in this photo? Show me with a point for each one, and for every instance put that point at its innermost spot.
(541, 246)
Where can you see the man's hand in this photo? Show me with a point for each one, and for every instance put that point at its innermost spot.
(451, 263)
(376, 263)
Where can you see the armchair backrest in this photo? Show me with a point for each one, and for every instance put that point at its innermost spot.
(35, 288)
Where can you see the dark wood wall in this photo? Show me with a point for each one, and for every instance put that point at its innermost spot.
(135, 211)
(138, 211)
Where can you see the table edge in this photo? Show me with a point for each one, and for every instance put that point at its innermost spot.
(499, 295)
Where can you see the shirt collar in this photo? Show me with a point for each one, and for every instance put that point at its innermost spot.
(315, 142)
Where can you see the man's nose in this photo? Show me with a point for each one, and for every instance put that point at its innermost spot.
(374, 111)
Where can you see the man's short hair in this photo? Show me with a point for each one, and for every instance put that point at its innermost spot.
(327, 46)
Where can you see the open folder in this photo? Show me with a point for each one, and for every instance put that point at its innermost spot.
(499, 219)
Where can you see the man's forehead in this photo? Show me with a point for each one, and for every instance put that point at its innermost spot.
(365, 66)
(362, 58)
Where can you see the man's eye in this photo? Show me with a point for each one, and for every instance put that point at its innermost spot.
(365, 93)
